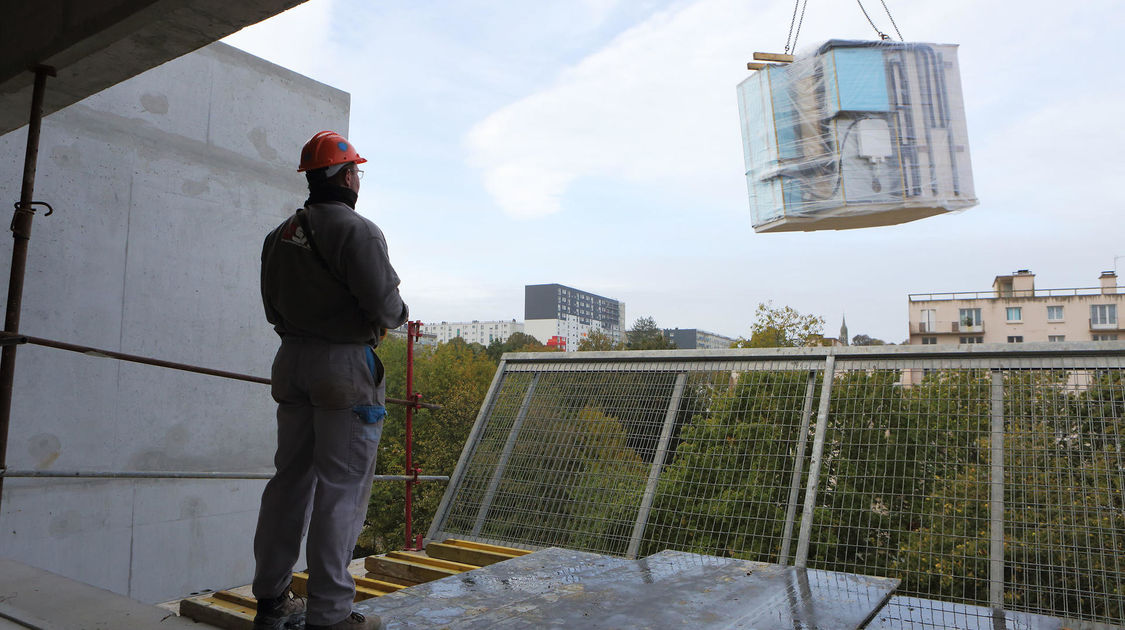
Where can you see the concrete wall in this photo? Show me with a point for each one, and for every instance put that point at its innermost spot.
(163, 188)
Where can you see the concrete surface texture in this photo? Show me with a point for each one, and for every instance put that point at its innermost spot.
(559, 588)
(94, 45)
(163, 188)
(34, 598)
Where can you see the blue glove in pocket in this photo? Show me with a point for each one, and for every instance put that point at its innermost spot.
(372, 417)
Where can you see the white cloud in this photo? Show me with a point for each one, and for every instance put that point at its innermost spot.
(307, 32)
(652, 105)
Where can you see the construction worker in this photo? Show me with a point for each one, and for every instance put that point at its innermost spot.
(331, 293)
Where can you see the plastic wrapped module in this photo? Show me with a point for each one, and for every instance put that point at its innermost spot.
(857, 134)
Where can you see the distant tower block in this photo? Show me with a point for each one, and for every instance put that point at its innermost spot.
(858, 134)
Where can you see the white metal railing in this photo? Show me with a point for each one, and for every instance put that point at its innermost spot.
(984, 475)
(1015, 294)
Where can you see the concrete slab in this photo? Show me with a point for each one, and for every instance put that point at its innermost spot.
(94, 45)
(34, 598)
(915, 613)
(557, 588)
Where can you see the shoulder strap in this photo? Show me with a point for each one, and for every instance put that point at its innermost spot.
(303, 219)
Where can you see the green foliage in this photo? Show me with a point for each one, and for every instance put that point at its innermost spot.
(517, 342)
(782, 327)
(904, 489)
(864, 340)
(455, 375)
(598, 340)
(646, 335)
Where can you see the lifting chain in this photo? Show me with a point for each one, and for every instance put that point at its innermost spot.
(797, 3)
(882, 35)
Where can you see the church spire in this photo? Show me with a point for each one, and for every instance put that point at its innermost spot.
(843, 330)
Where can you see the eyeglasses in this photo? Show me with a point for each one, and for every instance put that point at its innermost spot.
(358, 173)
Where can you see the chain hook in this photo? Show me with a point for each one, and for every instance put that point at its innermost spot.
(30, 209)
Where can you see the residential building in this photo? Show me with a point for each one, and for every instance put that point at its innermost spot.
(696, 339)
(563, 316)
(1016, 312)
(475, 331)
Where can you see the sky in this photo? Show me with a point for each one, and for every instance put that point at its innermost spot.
(597, 144)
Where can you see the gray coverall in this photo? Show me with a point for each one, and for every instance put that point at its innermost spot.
(327, 300)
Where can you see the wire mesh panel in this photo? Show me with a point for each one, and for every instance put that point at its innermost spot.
(984, 478)
(913, 449)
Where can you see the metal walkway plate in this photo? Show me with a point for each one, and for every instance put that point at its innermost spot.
(557, 588)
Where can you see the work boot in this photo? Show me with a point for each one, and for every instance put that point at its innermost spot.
(354, 621)
(280, 613)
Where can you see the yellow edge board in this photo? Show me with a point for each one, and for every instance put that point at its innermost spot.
(227, 607)
(460, 549)
(469, 544)
(431, 562)
(234, 598)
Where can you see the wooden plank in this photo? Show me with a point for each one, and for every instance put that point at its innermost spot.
(750, 65)
(236, 598)
(761, 56)
(382, 576)
(439, 563)
(407, 569)
(364, 588)
(469, 544)
(476, 557)
(218, 613)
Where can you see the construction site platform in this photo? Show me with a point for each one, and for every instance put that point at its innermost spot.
(34, 598)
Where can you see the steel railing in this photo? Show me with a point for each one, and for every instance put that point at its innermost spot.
(984, 476)
(411, 403)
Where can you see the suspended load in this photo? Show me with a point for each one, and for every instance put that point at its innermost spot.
(857, 134)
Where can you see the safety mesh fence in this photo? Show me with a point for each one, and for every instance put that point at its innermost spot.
(712, 455)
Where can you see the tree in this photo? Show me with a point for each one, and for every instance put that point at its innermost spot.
(864, 340)
(782, 327)
(599, 340)
(517, 342)
(646, 335)
(455, 375)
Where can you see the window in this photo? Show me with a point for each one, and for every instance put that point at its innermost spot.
(1056, 337)
(1015, 313)
(928, 323)
(972, 339)
(929, 341)
(1103, 314)
(1054, 313)
(970, 317)
(1015, 338)
(1105, 337)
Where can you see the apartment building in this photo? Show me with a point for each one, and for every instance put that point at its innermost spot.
(1014, 311)
(562, 316)
(475, 331)
(694, 338)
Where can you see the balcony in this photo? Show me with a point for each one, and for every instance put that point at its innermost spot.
(707, 452)
(1110, 326)
(968, 327)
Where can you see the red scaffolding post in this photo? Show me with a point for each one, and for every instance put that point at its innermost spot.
(413, 332)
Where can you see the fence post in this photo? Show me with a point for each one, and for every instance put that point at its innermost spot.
(509, 445)
(466, 451)
(815, 463)
(798, 466)
(996, 495)
(657, 465)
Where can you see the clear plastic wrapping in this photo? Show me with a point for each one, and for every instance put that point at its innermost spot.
(857, 134)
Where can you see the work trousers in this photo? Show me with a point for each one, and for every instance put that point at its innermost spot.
(325, 460)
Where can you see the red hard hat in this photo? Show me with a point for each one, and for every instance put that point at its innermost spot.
(327, 148)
